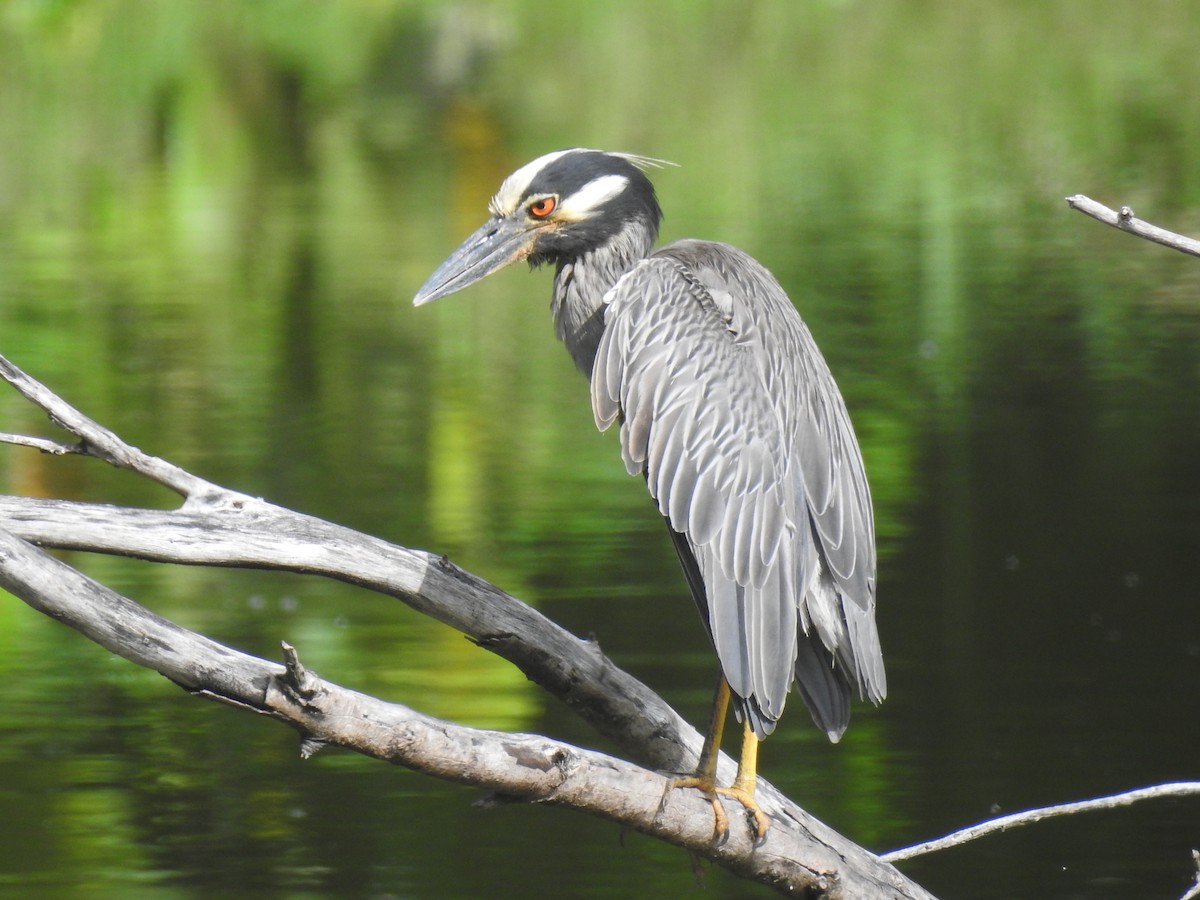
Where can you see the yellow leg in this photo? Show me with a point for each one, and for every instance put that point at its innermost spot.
(705, 779)
(706, 771)
(742, 789)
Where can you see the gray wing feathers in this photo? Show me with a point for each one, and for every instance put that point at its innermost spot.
(711, 454)
(729, 411)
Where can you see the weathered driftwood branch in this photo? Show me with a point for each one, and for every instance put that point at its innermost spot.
(1125, 220)
(219, 527)
(216, 526)
(518, 766)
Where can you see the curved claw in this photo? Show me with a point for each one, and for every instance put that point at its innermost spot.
(753, 810)
(737, 792)
(710, 792)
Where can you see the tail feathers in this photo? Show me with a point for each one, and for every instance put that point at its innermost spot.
(824, 686)
(747, 708)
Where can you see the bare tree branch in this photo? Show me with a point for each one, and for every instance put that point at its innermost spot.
(255, 534)
(519, 766)
(1125, 220)
(96, 440)
(219, 527)
(1028, 817)
(216, 526)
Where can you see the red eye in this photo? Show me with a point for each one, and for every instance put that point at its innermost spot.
(539, 209)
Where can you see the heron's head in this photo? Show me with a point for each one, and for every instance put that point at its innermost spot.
(560, 206)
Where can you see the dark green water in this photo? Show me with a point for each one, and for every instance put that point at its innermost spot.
(212, 218)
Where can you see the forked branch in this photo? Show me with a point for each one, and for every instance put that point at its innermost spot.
(216, 526)
(219, 527)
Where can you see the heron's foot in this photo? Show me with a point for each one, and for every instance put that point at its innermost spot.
(709, 790)
(754, 813)
(713, 794)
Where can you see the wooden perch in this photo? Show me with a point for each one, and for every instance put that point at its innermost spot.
(219, 527)
(216, 526)
(519, 766)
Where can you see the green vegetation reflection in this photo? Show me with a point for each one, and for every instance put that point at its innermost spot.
(213, 215)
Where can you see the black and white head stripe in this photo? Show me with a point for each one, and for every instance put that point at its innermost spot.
(582, 180)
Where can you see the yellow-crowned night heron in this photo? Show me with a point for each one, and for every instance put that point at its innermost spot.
(730, 413)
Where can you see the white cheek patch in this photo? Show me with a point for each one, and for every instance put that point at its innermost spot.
(591, 197)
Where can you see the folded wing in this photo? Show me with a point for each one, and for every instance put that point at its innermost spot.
(729, 412)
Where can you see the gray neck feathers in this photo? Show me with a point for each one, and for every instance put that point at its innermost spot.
(580, 287)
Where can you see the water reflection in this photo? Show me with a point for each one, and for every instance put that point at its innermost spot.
(209, 228)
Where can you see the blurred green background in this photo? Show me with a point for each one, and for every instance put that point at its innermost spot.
(212, 218)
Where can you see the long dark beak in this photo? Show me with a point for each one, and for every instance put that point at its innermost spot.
(499, 242)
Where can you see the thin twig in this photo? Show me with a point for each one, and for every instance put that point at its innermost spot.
(1028, 817)
(1126, 221)
(1194, 891)
(54, 448)
(96, 440)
